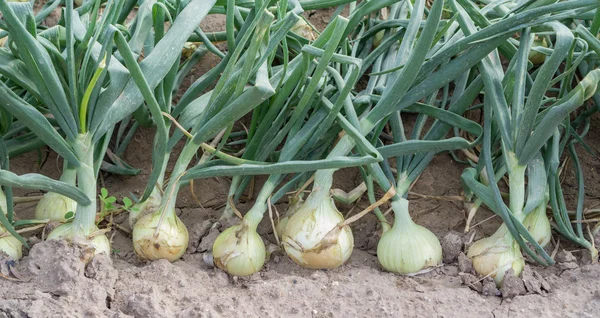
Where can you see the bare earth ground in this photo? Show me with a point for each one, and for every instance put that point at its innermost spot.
(52, 281)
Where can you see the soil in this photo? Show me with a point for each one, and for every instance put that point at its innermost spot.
(58, 280)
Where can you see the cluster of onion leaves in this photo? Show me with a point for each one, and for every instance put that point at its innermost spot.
(520, 118)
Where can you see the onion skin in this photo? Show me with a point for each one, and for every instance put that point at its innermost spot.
(315, 237)
(169, 243)
(54, 206)
(239, 250)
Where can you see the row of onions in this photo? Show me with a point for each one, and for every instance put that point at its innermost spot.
(84, 86)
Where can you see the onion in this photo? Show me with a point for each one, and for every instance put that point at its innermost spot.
(408, 248)
(538, 58)
(73, 234)
(9, 244)
(497, 254)
(54, 206)
(304, 30)
(315, 236)
(538, 225)
(294, 206)
(155, 239)
(141, 209)
(239, 250)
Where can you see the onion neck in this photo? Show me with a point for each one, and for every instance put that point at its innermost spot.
(255, 215)
(86, 182)
(402, 217)
(169, 198)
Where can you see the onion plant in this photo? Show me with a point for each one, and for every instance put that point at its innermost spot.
(86, 89)
(11, 242)
(245, 83)
(525, 119)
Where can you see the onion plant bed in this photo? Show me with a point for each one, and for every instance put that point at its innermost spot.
(190, 288)
(59, 278)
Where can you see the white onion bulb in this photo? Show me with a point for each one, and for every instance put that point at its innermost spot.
(239, 250)
(71, 233)
(496, 254)
(54, 206)
(408, 248)
(314, 236)
(10, 245)
(304, 30)
(169, 242)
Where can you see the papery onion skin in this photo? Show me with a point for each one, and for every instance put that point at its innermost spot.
(169, 243)
(408, 248)
(100, 243)
(239, 250)
(54, 206)
(314, 237)
(496, 254)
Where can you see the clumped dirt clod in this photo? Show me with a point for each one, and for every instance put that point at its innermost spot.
(452, 246)
(512, 285)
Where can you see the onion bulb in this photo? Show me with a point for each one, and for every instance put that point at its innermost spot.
(304, 30)
(153, 239)
(73, 234)
(294, 206)
(54, 206)
(379, 35)
(239, 250)
(538, 225)
(9, 244)
(535, 57)
(315, 236)
(497, 254)
(408, 248)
